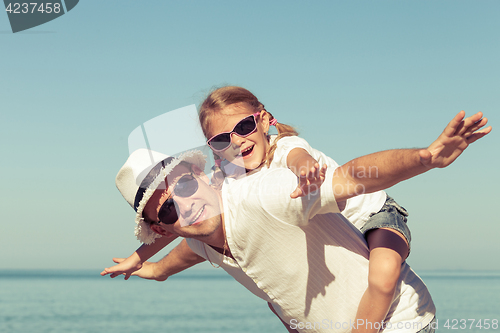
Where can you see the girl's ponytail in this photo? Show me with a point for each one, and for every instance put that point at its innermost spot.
(218, 174)
(283, 130)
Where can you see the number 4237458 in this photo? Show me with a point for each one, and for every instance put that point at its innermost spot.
(33, 7)
(462, 324)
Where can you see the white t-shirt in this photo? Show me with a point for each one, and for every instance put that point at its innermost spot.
(303, 257)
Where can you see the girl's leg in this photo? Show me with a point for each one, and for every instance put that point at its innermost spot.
(388, 250)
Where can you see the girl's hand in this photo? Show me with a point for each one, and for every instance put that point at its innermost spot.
(310, 181)
(125, 267)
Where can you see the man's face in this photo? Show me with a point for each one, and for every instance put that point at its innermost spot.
(199, 213)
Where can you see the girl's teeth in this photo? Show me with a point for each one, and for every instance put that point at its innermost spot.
(247, 150)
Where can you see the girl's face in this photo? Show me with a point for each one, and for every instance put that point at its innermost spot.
(250, 151)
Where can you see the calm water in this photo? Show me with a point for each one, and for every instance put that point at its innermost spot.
(195, 301)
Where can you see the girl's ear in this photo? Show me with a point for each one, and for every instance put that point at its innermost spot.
(264, 116)
(200, 173)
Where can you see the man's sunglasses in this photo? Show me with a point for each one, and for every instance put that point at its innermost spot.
(185, 187)
(243, 128)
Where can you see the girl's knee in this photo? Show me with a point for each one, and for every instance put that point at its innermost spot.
(384, 274)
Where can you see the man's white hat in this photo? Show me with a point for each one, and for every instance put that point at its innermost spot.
(141, 175)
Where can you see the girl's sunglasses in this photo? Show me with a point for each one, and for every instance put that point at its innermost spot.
(243, 128)
(185, 187)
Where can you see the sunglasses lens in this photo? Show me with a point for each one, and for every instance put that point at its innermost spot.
(245, 127)
(221, 141)
(186, 186)
(168, 212)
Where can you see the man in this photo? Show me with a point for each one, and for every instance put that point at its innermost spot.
(299, 255)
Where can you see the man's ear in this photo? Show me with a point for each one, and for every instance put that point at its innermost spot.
(159, 230)
(200, 173)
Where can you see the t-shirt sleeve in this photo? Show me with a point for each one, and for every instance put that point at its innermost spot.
(284, 146)
(271, 194)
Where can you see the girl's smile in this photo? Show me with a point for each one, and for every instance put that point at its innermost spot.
(247, 153)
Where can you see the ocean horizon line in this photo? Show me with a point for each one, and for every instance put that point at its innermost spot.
(210, 273)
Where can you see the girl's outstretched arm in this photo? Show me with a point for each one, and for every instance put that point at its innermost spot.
(304, 166)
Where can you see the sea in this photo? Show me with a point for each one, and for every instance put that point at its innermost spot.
(200, 300)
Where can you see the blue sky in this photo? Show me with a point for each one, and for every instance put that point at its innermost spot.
(354, 77)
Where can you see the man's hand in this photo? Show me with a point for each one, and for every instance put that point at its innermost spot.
(455, 138)
(147, 271)
(309, 181)
(125, 267)
(180, 258)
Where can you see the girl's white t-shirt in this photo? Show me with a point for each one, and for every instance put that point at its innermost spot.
(357, 209)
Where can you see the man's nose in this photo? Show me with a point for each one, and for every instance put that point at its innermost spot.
(184, 206)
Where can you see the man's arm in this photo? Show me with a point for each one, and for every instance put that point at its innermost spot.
(135, 260)
(179, 259)
(384, 169)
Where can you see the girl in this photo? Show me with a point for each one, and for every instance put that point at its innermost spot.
(236, 125)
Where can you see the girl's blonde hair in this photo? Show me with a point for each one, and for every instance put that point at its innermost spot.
(225, 96)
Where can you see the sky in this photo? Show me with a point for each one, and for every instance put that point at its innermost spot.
(354, 77)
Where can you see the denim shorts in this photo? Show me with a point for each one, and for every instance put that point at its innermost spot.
(391, 216)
